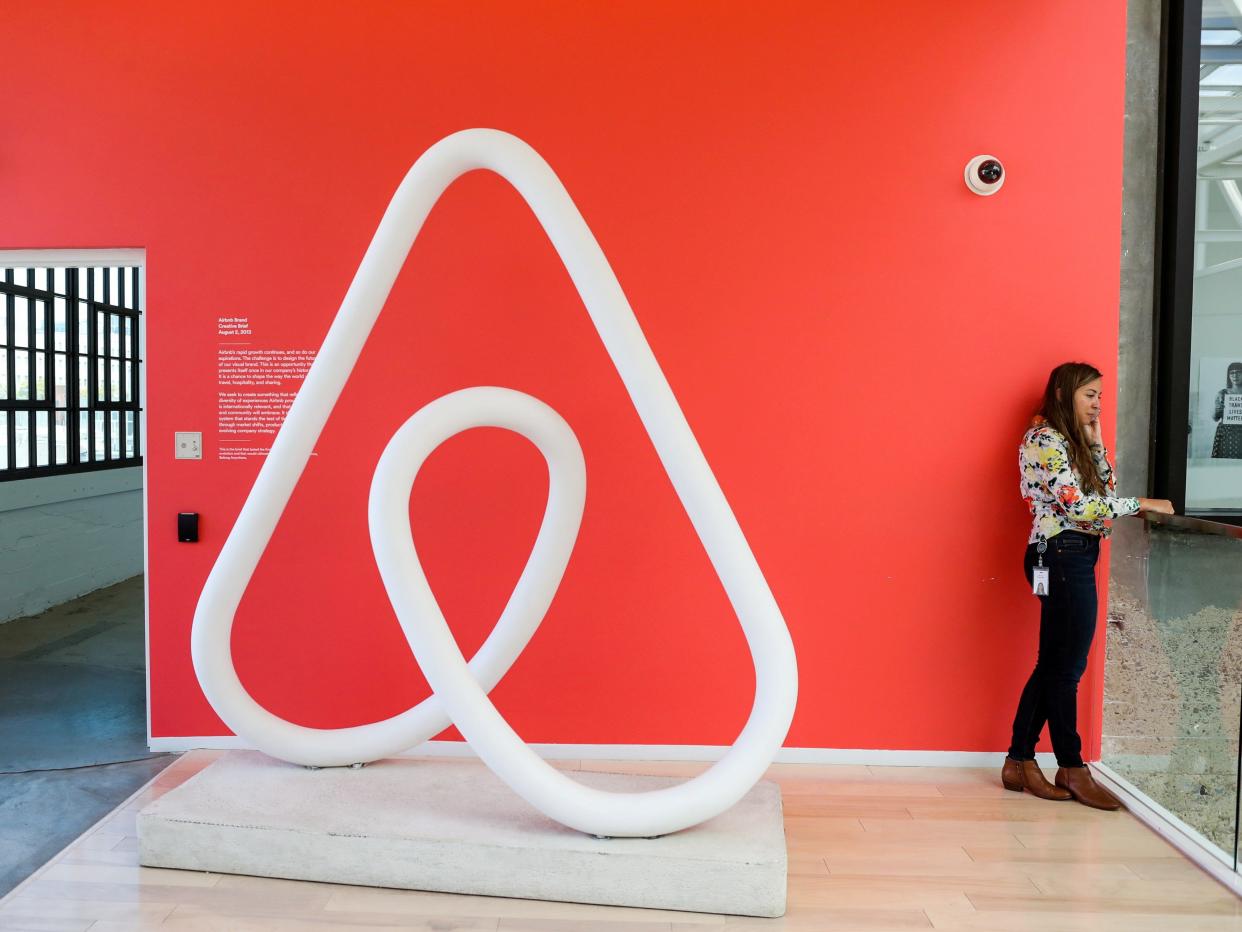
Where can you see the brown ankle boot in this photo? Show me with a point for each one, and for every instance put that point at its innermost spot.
(1038, 784)
(1082, 785)
(1011, 775)
(1019, 775)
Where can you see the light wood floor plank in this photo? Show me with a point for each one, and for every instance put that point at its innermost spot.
(197, 919)
(1072, 831)
(130, 874)
(936, 775)
(1006, 809)
(1118, 852)
(967, 882)
(807, 865)
(579, 925)
(1172, 894)
(876, 918)
(414, 903)
(1018, 920)
(127, 858)
(890, 864)
(1133, 903)
(1168, 868)
(868, 789)
(984, 788)
(887, 856)
(855, 893)
(1100, 844)
(822, 826)
(86, 910)
(41, 924)
(831, 807)
(307, 893)
(99, 841)
(237, 904)
(837, 772)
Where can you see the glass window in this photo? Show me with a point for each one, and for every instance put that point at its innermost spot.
(62, 438)
(21, 452)
(59, 325)
(72, 336)
(21, 321)
(1214, 442)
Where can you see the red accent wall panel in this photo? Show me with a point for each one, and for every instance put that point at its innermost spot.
(856, 340)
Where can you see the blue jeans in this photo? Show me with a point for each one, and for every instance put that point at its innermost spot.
(1066, 626)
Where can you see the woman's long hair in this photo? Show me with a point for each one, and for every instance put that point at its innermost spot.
(1058, 410)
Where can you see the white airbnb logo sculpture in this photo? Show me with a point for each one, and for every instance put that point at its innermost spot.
(461, 688)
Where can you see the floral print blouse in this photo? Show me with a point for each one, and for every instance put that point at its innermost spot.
(1050, 487)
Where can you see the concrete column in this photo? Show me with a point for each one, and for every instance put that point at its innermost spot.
(1133, 395)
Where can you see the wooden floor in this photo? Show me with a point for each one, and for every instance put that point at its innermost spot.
(870, 848)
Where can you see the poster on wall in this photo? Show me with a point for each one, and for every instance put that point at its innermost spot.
(256, 383)
(1214, 467)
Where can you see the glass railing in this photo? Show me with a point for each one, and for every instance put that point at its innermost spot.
(1173, 678)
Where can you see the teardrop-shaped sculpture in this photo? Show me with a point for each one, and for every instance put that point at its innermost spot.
(460, 688)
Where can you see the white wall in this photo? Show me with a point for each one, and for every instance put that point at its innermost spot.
(65, 536)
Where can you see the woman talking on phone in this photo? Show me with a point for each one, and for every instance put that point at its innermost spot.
(1068, 483)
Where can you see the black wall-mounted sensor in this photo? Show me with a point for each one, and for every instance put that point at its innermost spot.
(187, 527)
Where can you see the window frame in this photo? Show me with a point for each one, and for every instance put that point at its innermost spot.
(1177, 170)
(98, 360)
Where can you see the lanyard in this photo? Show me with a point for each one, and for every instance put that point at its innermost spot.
(1040, 583)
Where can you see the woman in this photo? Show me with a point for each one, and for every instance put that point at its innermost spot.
(1227, 444)
(1068, 483)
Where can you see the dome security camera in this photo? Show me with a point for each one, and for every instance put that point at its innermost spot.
(985, 174)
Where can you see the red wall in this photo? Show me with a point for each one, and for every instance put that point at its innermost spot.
(855, 339)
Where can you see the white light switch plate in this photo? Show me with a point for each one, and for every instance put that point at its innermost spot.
(189, 444)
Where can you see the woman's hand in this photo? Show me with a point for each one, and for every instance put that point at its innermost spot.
(1160, 506)
(1091, 433)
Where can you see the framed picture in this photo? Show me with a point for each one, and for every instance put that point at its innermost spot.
(1214, 463)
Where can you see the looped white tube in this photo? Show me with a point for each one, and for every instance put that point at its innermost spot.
(527, 605)
(454, 682)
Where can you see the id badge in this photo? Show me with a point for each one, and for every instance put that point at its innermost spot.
(1039, 580)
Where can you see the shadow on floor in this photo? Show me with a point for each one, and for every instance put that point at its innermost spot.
(72, 723)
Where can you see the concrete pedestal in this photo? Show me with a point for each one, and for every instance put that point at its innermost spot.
(452, 826)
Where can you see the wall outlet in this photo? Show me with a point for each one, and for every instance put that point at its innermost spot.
(189, 444)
